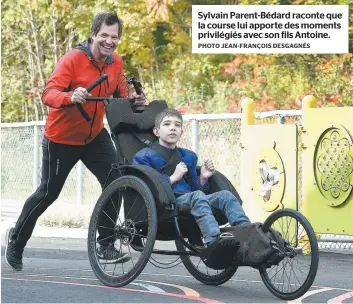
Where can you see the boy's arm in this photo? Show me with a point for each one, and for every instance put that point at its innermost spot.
(143, 159)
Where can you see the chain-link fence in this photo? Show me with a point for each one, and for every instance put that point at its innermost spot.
(210, 136)
(21, 153)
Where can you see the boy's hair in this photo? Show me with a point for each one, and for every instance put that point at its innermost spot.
(167, 113)
(108, 18)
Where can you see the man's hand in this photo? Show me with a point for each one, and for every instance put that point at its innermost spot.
(207, 171)
(79, 96)
(179, 172)
(139, 99)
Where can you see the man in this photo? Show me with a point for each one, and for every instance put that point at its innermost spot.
(69, 137)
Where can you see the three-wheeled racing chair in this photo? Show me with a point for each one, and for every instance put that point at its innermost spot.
(284, 248)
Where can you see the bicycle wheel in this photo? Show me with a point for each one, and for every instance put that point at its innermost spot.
(139, 220)
(201, 272)
(295, 273)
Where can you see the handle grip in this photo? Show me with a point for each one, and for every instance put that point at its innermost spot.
(97, 82)
(137, 86)
(89, 89)
(83, 112)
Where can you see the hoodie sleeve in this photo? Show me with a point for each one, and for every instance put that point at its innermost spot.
(142, 158)
(57, 92)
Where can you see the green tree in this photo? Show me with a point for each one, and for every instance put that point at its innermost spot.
(156, 47)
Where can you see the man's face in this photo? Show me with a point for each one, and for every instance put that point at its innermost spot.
(105, 42)
(169, 130)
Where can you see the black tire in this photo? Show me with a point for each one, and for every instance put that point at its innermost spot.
(299, 232)
(220, 276)
(144, 198)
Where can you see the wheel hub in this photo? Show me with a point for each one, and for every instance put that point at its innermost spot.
(126, 232)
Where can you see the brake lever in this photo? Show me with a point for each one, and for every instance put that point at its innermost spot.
(137, 86)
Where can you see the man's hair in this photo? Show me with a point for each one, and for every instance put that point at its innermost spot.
(107, 19)
(167, 113)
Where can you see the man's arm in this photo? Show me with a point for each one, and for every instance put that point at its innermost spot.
(57, 92)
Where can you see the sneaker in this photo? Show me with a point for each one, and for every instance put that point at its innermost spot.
(199, 248)
(13, 254)
(197, 243)
(110, 255)
(225, 239)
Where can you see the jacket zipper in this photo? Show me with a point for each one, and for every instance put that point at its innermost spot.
(96, 107)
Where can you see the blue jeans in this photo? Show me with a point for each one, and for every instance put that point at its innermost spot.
(200, 205)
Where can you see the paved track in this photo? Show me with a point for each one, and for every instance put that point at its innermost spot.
(57, 270)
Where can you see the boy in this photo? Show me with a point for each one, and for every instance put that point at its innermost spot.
(188, 187)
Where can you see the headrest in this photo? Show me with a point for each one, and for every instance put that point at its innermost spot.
(121, 117)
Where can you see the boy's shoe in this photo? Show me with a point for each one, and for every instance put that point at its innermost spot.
(110, 255)
(220, 252)
(13, 254)
(199, 248)
(226, 239)
(197, 243)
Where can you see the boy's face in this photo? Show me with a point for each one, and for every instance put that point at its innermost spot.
(169, 130)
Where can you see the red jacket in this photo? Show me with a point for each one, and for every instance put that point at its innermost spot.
(65, 124)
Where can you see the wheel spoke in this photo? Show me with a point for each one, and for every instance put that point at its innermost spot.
(198, 263)
(297, 279)
(127, 216)
(109, 217)
(290, 275)
(106, 238)
(116, 209)
(301, 270)
(110, 228)
(138, 214)
(139, 222)
(280, 269)
(114, 269)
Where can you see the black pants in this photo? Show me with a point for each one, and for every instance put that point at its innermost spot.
(99, 156)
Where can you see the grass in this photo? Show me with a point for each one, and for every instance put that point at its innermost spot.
(66, 215)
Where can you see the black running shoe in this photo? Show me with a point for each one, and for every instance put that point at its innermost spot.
(225, 239)
(110, 255)
(13, 253)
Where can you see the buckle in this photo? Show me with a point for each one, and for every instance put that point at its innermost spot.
(146, 141)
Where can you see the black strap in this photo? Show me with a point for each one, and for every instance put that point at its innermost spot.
(141, 138)
(173, 159)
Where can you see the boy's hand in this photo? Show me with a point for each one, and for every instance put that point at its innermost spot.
(207, 171)
(179, 172)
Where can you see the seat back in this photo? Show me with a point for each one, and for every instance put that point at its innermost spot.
(130, 129)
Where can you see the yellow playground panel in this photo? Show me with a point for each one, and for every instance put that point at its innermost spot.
(268, 166)
(328, 168)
